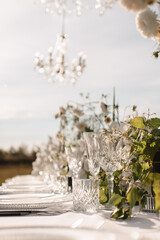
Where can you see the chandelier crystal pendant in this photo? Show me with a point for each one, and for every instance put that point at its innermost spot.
(55, 68)
(59, 6)
(103, 5)
(76, 6)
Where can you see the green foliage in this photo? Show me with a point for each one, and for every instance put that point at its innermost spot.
(116, 200)
(138, 122)
(103, 190)
(156, 54)
(121, 213)
(144, 136)
(132, 196)
(154, 180)
(156, 132)
(117, 181)
(153, 123)
(156, 189)
(102, 195)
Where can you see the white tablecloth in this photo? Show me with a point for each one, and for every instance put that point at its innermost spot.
(71, 225)
(75, 226)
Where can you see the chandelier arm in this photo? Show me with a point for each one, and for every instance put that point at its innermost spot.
(63, 22)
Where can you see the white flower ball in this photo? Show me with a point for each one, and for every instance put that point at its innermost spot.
(136, 5)
(147, 24)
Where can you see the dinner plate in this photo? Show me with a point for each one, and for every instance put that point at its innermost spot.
(24, 179)
(25, 196)
(25, 186)
(24, 183)
(4, 190)
(32, 203)
(50, 233)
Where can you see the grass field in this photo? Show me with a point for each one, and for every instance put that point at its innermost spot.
(10, 170)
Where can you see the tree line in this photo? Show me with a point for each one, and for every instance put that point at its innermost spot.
(16, 156)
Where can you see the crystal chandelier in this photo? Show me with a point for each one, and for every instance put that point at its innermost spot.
(71, 6)
(102, 5)
(55, 68)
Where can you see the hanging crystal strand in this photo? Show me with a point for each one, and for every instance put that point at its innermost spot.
(102, 5)
(75, 6)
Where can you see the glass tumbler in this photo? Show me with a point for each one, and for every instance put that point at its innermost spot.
(86, 195)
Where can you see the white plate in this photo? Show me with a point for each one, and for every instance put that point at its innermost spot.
(24, 196)
(29, 179)
(24, 186)
(24, 183)
(51, 233)
(33, 203)
(25, 190)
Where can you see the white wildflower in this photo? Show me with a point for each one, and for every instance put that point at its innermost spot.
(147, 23)
(77, 112)
(81, 126)
(138, 184)
(59, 136)
(123, 127)
(114, 126)
(103, 107)
(126, 174)
(61, 110)
(63, 119)
(131, 116)
(136, 5)
(56, 115)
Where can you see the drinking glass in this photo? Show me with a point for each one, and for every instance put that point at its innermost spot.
(110, 159)
(86, 195)
(92, 141)
(74, 159)
(60, 184)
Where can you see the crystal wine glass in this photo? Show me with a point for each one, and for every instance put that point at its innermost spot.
(110, 158)
(92, 141)
(74, 159)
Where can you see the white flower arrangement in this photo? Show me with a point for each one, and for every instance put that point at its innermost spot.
(147, 24)
(136, 5)
(147, 21)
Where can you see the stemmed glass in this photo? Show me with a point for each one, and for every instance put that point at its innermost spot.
(74, 159)
(111, 147)
(92, 141)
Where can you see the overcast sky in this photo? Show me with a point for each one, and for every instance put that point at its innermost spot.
(116, 56)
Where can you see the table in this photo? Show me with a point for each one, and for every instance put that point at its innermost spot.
(72, 225)
(64, 223)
